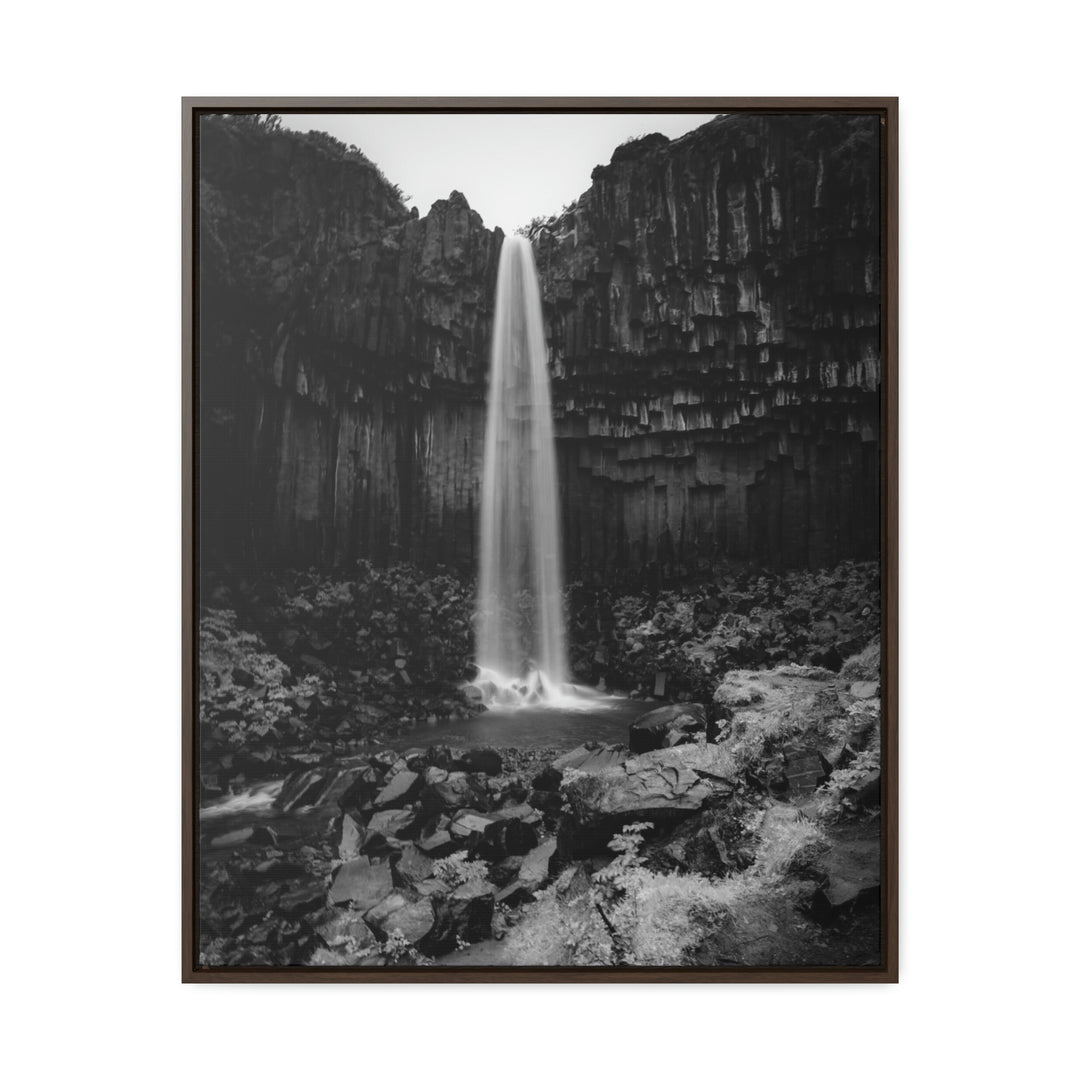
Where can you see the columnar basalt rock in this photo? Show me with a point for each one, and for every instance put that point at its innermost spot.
(712, 307)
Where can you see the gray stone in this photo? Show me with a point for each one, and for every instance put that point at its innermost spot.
(402, 788)
(414, 918)
(591, 758)
(437, 845)
(413, 867)
(360, 884)
(667, 726)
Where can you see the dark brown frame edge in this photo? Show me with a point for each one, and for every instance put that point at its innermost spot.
(887, 108)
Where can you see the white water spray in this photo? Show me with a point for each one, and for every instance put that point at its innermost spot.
(521, 635)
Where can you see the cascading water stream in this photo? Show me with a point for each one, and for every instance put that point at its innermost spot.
(521, 635)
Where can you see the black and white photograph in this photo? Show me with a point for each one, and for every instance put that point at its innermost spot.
(539, 538)
(539, 609)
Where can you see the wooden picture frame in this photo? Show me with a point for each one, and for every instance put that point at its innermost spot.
(886, 108)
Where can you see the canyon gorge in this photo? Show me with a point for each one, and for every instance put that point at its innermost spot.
(712, 312)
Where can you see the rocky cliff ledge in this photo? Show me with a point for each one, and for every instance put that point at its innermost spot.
(713, 311)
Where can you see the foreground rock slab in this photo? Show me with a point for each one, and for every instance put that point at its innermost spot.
(361, 884)
(640, 789)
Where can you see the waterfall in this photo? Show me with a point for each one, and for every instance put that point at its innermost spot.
(521, 635)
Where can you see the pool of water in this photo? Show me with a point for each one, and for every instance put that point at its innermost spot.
(530, 728)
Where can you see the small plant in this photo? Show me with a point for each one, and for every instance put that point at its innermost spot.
(458, 869)
(397, 947)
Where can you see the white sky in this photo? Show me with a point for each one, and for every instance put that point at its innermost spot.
(510, 167)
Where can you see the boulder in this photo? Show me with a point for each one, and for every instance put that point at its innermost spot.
(345, 929)
(640, 789)
(536, 866)
(548, 779)
(503, 871)
(864, 691)
(484, 760)
(591, 758)
(383, 761)
(360, 884)
(462, 915)
(507, 836)
(547, 802)
(364, 785)
(469, 826)
(438, 845)
(413, 917)
(301, 789)
(412, 868)
(431, 887)
(348, 837)
(457, 792)
(402, 788)
(231, 839)
(669, 726)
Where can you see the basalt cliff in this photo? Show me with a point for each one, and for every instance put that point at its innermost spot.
(712, 306)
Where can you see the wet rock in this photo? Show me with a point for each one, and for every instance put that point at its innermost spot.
(348, 837)
(360, 884)
(397, 823)
(232, 838)
(263, 834)
(337, 787)
(362, 789)
(383, 761)
(402, 788)
(301, 789)
(668, 726)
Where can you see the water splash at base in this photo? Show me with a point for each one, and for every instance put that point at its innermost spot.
(537, 690)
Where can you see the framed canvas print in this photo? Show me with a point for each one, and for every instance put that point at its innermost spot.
(540, 567)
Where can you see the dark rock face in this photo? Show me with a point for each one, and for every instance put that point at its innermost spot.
(666, 726)
(715, 309)
(713, 314)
